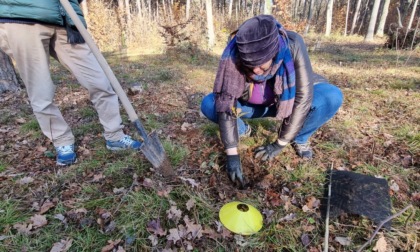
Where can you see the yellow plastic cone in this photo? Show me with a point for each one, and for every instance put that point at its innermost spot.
(241, 218)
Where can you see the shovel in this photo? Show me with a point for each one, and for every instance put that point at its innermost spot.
(151, 147)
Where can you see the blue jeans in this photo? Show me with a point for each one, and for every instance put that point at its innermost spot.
(326, 101)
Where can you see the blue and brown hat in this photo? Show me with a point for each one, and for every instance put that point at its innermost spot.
(257, 40)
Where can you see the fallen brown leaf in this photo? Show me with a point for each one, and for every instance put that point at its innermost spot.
(345, 241)
(194, 229)
(23, 228)
(39, 220)
(111, 245)
(153, 239)
(98, 177)
(191, 182)
(62, 246)
(380, 245)
(25, 180)
(173, 235)
(46, 206)
(154, 227)
(174, 214)
(190, 204)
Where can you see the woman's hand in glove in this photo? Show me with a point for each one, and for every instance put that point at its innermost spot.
(268, 152)
(234, 169)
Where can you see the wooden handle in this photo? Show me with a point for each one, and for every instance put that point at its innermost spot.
(108, 72)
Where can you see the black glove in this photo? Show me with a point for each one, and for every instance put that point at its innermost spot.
(268, 152)
(234, 168)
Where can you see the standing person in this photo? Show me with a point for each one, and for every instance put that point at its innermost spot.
(31, 32)
(265, 71)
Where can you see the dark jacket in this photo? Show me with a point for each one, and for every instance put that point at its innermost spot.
(305, 79)
(43, 11)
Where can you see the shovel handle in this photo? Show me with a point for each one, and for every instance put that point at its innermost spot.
(102, 62)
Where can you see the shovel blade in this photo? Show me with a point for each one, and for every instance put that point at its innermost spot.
(153, 150)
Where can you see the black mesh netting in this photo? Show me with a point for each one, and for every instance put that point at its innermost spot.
(359, 194)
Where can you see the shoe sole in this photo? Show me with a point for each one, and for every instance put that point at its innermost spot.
(66, 164)
(120, 149)
(116, 148)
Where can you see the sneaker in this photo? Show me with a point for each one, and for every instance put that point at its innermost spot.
(303, 150)
(247, 131)
(65, 155)
(125, 143)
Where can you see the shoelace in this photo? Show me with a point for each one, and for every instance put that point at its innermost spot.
(304, 147)
(65, 149)
(127, 141)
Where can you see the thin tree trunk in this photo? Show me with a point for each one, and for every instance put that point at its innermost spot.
(364, 16)
(267, 7)
(412, 15)
(8, 78)
(230, 9)
(138, 6)
(372, 22)
(157, 11)
(210, 25)
(187, 9)
(164, 8)
(150, 9)
(329, 17)
(302, 16)
(318, 12)
(347, 18)
(384, 15)
(127, 11)
(355, 16)
(252, 7)
(308, 23)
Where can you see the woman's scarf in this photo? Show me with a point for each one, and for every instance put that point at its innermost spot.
(231, 77)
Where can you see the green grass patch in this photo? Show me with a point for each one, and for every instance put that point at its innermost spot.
(30, 126)
(10, 213)
(176, 153)
(88, 112)
(94, 128)
(210, 129)
(409, 134)
(2, 166)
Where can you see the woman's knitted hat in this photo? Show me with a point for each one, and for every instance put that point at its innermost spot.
(257, 40)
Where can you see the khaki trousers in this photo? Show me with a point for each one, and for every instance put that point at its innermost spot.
(31, 46)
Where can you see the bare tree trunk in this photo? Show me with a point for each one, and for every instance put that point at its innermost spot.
(187, 9)
(355, 16)
(127, 11)
(252, 7)
(364, 16)
(384, 15)
(267, 7)
(8, 78)
(412, 15)
(164, 8)
(157, 11)
(308, 22)
(150, 9)
(230, 9)
(210, 25)
(347, 18)
(329, 17)
(372, 22)
(138, 6)
(318, 12)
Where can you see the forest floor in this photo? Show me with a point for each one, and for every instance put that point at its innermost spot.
(117, 202)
